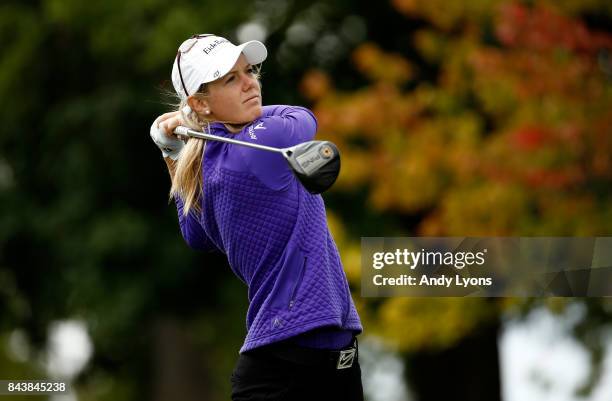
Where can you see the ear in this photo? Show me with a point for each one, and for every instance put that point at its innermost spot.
(198, 105)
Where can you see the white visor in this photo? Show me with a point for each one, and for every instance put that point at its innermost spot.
(205, 58)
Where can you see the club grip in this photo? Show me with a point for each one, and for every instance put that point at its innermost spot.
(180, 130)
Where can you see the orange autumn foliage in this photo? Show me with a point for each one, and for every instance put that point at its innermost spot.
(511, 137)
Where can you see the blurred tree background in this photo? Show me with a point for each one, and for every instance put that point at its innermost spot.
(462, 118)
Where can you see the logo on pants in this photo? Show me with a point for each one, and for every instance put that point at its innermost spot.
(346, 359)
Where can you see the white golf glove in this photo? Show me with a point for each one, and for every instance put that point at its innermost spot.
(169, 146)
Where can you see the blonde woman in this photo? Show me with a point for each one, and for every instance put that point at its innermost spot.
(246, 203)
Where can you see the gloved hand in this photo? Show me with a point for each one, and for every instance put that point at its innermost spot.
(162, 133)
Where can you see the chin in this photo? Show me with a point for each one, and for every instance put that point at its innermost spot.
(255, 112)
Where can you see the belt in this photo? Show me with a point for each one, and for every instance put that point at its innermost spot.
(335, 359)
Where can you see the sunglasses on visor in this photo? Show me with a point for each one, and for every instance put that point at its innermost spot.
(184, 48)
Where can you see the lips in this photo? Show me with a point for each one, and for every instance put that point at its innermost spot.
(251, 98)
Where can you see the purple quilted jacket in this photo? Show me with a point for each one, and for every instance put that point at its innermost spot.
(272, 230)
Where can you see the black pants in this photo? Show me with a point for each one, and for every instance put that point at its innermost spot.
(289, 372)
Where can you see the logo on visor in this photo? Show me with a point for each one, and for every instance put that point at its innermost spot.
(214, 44)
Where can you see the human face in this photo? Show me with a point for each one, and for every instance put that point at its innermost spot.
(236, 97)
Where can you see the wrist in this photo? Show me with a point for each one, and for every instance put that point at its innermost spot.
(170, 146)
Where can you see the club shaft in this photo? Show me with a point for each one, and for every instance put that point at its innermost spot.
(184, 131)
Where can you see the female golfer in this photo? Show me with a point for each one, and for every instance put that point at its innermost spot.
(301, 322)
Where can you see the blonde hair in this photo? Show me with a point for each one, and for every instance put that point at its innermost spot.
(187, 177)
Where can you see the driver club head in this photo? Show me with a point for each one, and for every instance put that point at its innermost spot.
(315, 163)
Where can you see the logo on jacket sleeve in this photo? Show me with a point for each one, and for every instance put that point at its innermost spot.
(253, 128)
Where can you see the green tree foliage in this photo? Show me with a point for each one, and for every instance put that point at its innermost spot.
(86, 231)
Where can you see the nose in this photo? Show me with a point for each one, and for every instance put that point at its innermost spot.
(248, 81)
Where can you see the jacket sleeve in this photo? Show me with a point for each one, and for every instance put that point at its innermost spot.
(286, 126)
(274, 110)
(192, 230)
(279, 127)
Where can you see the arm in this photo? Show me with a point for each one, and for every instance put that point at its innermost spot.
(279, 127)
(273, 110)
(162, 133)
(191, 229)
(283, 126)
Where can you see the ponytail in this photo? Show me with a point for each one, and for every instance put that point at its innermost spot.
(187, 178)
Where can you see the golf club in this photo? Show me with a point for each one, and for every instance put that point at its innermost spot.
(315, 163)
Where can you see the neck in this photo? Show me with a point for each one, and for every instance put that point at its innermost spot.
(234, 128)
